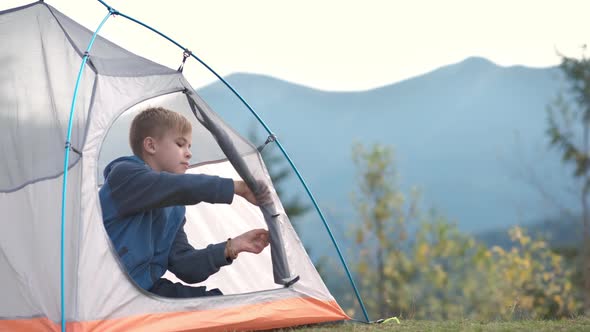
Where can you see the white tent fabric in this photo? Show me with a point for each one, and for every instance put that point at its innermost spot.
(41, 53)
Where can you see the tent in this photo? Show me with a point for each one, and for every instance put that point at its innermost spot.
(56, 261)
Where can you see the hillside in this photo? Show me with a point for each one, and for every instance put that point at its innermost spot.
(464, 134)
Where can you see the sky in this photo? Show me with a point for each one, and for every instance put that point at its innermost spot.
(340, 45)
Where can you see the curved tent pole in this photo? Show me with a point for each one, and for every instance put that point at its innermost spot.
(66, 164)
(111, 10)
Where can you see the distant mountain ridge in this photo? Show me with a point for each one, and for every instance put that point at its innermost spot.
(458, 133)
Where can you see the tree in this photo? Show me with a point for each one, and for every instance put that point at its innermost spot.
(423, 267)
(569, 131)
(279, 173)
(293, 205)
(383, 213)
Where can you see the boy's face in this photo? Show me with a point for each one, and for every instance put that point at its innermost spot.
(171, 152)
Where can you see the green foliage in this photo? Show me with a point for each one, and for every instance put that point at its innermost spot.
(562, 134)
(439, 272)
(382, 210)
(535, 277)
(279, 172)
(569, 131)
(571, 112)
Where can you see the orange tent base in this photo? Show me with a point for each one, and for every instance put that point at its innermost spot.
(276, 314)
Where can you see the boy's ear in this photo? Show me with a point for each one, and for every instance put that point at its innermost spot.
(149, 145)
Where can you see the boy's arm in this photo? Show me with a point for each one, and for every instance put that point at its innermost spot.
(195, 265)
(136, 188)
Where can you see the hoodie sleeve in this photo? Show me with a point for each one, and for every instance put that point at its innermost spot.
(136, 188)
(195, 265)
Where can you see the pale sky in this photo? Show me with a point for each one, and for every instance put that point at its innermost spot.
(340, 44)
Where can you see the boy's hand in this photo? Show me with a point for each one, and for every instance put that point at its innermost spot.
(241, 189)
(253, 241)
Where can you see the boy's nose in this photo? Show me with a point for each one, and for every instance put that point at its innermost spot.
(189, 154)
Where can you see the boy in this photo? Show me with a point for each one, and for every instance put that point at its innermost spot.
(143, 201)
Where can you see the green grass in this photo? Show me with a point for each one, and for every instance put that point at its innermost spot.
(578, 324)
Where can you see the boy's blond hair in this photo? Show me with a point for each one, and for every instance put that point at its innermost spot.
(155, 122)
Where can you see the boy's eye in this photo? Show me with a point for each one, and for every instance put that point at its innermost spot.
(179, 145)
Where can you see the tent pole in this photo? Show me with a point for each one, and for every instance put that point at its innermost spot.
(66, 164)
(358, 296)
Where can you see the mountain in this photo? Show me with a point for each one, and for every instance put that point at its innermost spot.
(461, 134)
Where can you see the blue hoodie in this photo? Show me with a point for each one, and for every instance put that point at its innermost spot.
(143, 213)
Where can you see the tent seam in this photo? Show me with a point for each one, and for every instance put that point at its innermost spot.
(45, 178)
(70, 40)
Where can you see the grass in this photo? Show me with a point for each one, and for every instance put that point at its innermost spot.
(578, 324)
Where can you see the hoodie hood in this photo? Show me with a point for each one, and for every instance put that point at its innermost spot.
(112, 164)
